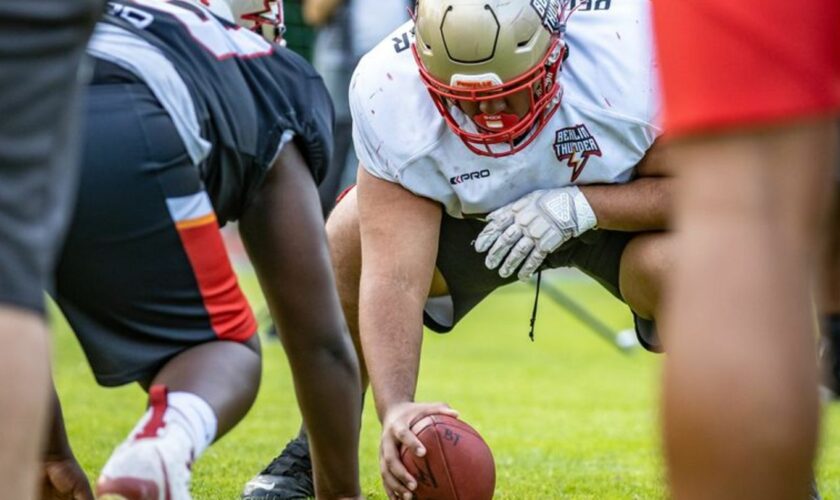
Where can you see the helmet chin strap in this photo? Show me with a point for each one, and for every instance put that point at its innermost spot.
(496, 122)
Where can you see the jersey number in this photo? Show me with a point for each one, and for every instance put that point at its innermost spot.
(220, 40)
(401, 42)
(591, 4)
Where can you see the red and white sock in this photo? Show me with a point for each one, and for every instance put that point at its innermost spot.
(180, 413)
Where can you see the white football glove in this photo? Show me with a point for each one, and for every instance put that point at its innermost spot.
(532, 227)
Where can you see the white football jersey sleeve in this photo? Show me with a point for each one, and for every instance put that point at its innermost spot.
(606, 121)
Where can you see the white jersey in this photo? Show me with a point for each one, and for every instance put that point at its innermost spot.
(604, 125)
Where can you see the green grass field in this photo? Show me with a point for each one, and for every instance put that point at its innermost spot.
(566, 416)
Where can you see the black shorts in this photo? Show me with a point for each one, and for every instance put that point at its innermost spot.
(597, 253)
(41, 47)
(144, 274)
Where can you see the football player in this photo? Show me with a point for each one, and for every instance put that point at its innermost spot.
(193, 122)
(753, 122)
(493, 108)
(41, 50)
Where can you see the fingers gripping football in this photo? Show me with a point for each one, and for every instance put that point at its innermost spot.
(529, 229)
(396, 433)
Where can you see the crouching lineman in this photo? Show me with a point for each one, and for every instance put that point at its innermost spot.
(467, 119)
(192, 122)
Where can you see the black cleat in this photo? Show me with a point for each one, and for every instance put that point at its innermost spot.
(287, 477)
(830, 356)
(815, 493)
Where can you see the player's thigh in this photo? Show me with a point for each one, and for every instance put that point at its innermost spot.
(469, 281)
(600, 254)
(461, 280)
(724, 64)
(645, 263)
(144, 274)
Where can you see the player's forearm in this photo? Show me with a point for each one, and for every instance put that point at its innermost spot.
(283, 233)
(640, 205)
(326, 375)
(399, 235)
(328, 391)
(390, 322)
(327, 384)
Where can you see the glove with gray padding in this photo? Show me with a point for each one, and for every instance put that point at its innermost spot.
(532, 227)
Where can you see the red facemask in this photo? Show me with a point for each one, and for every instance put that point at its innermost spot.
(502, 134)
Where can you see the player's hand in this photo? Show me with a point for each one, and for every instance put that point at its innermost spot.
(396, 433)
(64, 479)
(532, 227)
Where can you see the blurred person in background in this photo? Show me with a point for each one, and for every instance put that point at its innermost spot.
(751, 97)
(299, 36)
(334, 35)
(41, 66)
(346, 30)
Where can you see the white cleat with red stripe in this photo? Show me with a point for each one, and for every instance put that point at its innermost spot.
(154, 464)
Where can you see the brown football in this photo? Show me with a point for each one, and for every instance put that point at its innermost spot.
(458, 464)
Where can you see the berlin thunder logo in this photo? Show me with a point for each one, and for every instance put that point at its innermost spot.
(575, 145)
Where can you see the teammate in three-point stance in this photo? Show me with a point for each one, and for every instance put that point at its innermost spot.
(192, 122)
(492, 108)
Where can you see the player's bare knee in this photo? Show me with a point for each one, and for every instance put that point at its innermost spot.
(243, 369)
(644, 265)
(343, 222)
(343, 217)
(344, 241)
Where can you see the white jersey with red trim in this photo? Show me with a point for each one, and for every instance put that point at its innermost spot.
(606, 121)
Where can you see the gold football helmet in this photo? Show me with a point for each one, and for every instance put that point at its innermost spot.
(479, 50)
